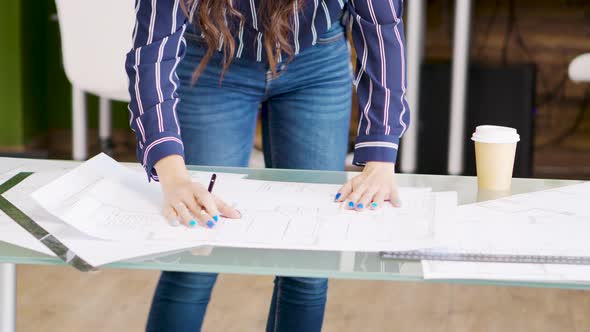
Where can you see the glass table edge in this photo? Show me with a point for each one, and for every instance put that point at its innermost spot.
(368, 276)
(30, 257)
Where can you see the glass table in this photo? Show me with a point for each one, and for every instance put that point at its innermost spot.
(349, 265)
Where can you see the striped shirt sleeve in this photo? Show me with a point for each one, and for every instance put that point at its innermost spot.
(380, 78)
(158, 46)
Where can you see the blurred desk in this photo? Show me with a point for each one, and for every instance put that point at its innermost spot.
(348, 265)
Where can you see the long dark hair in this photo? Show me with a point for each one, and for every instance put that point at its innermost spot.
(212, 17)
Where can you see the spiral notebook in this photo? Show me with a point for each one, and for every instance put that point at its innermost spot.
(545, 227)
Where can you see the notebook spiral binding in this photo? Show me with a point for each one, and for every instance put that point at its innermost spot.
(418, 255)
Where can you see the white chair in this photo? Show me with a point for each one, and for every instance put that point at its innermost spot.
(95, 36)
(579, 68)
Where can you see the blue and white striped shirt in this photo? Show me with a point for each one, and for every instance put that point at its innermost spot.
(380, 78)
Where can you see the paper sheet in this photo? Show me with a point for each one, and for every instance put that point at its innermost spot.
(110, 206)
(106, 200)
(95, 251)
(550, 222)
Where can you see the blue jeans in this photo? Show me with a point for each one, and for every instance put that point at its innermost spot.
(305, 116)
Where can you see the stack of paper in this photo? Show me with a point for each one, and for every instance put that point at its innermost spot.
(105, 212)
(92, 249)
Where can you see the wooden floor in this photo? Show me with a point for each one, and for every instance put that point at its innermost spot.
(62, 299)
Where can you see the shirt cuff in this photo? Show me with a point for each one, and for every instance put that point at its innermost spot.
(375, 148)
(157, 148)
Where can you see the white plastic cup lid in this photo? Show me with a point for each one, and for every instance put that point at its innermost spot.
(495, 134)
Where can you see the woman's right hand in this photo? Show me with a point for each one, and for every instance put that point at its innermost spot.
(188, 202)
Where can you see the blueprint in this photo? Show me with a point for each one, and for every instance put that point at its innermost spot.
(95, 251)
(112, 213)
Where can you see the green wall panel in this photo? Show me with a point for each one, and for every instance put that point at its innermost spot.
(11, 117)
(33, 25)
(35, 93)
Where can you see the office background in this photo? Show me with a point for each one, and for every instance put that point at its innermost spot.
(35, 120)
(36, 111)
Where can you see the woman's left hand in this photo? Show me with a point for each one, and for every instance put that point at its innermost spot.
(372, 188)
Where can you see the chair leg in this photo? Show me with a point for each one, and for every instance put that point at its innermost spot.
(79, 125)
(104, 125)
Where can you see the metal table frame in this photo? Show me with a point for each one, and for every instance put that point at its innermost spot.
(7, 297)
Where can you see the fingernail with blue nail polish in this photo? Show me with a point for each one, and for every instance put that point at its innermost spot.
(360, 206)
(175, 222)
(374, 204)
(216, 218)
(192, 223)
(338, 195)
(210, 224)
(350, 204)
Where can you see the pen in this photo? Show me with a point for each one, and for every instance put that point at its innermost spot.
(212, 182)
(210, 189)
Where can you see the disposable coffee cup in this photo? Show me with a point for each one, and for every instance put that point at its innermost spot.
(495, 148)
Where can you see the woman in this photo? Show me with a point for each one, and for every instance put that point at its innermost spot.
(200, 72)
